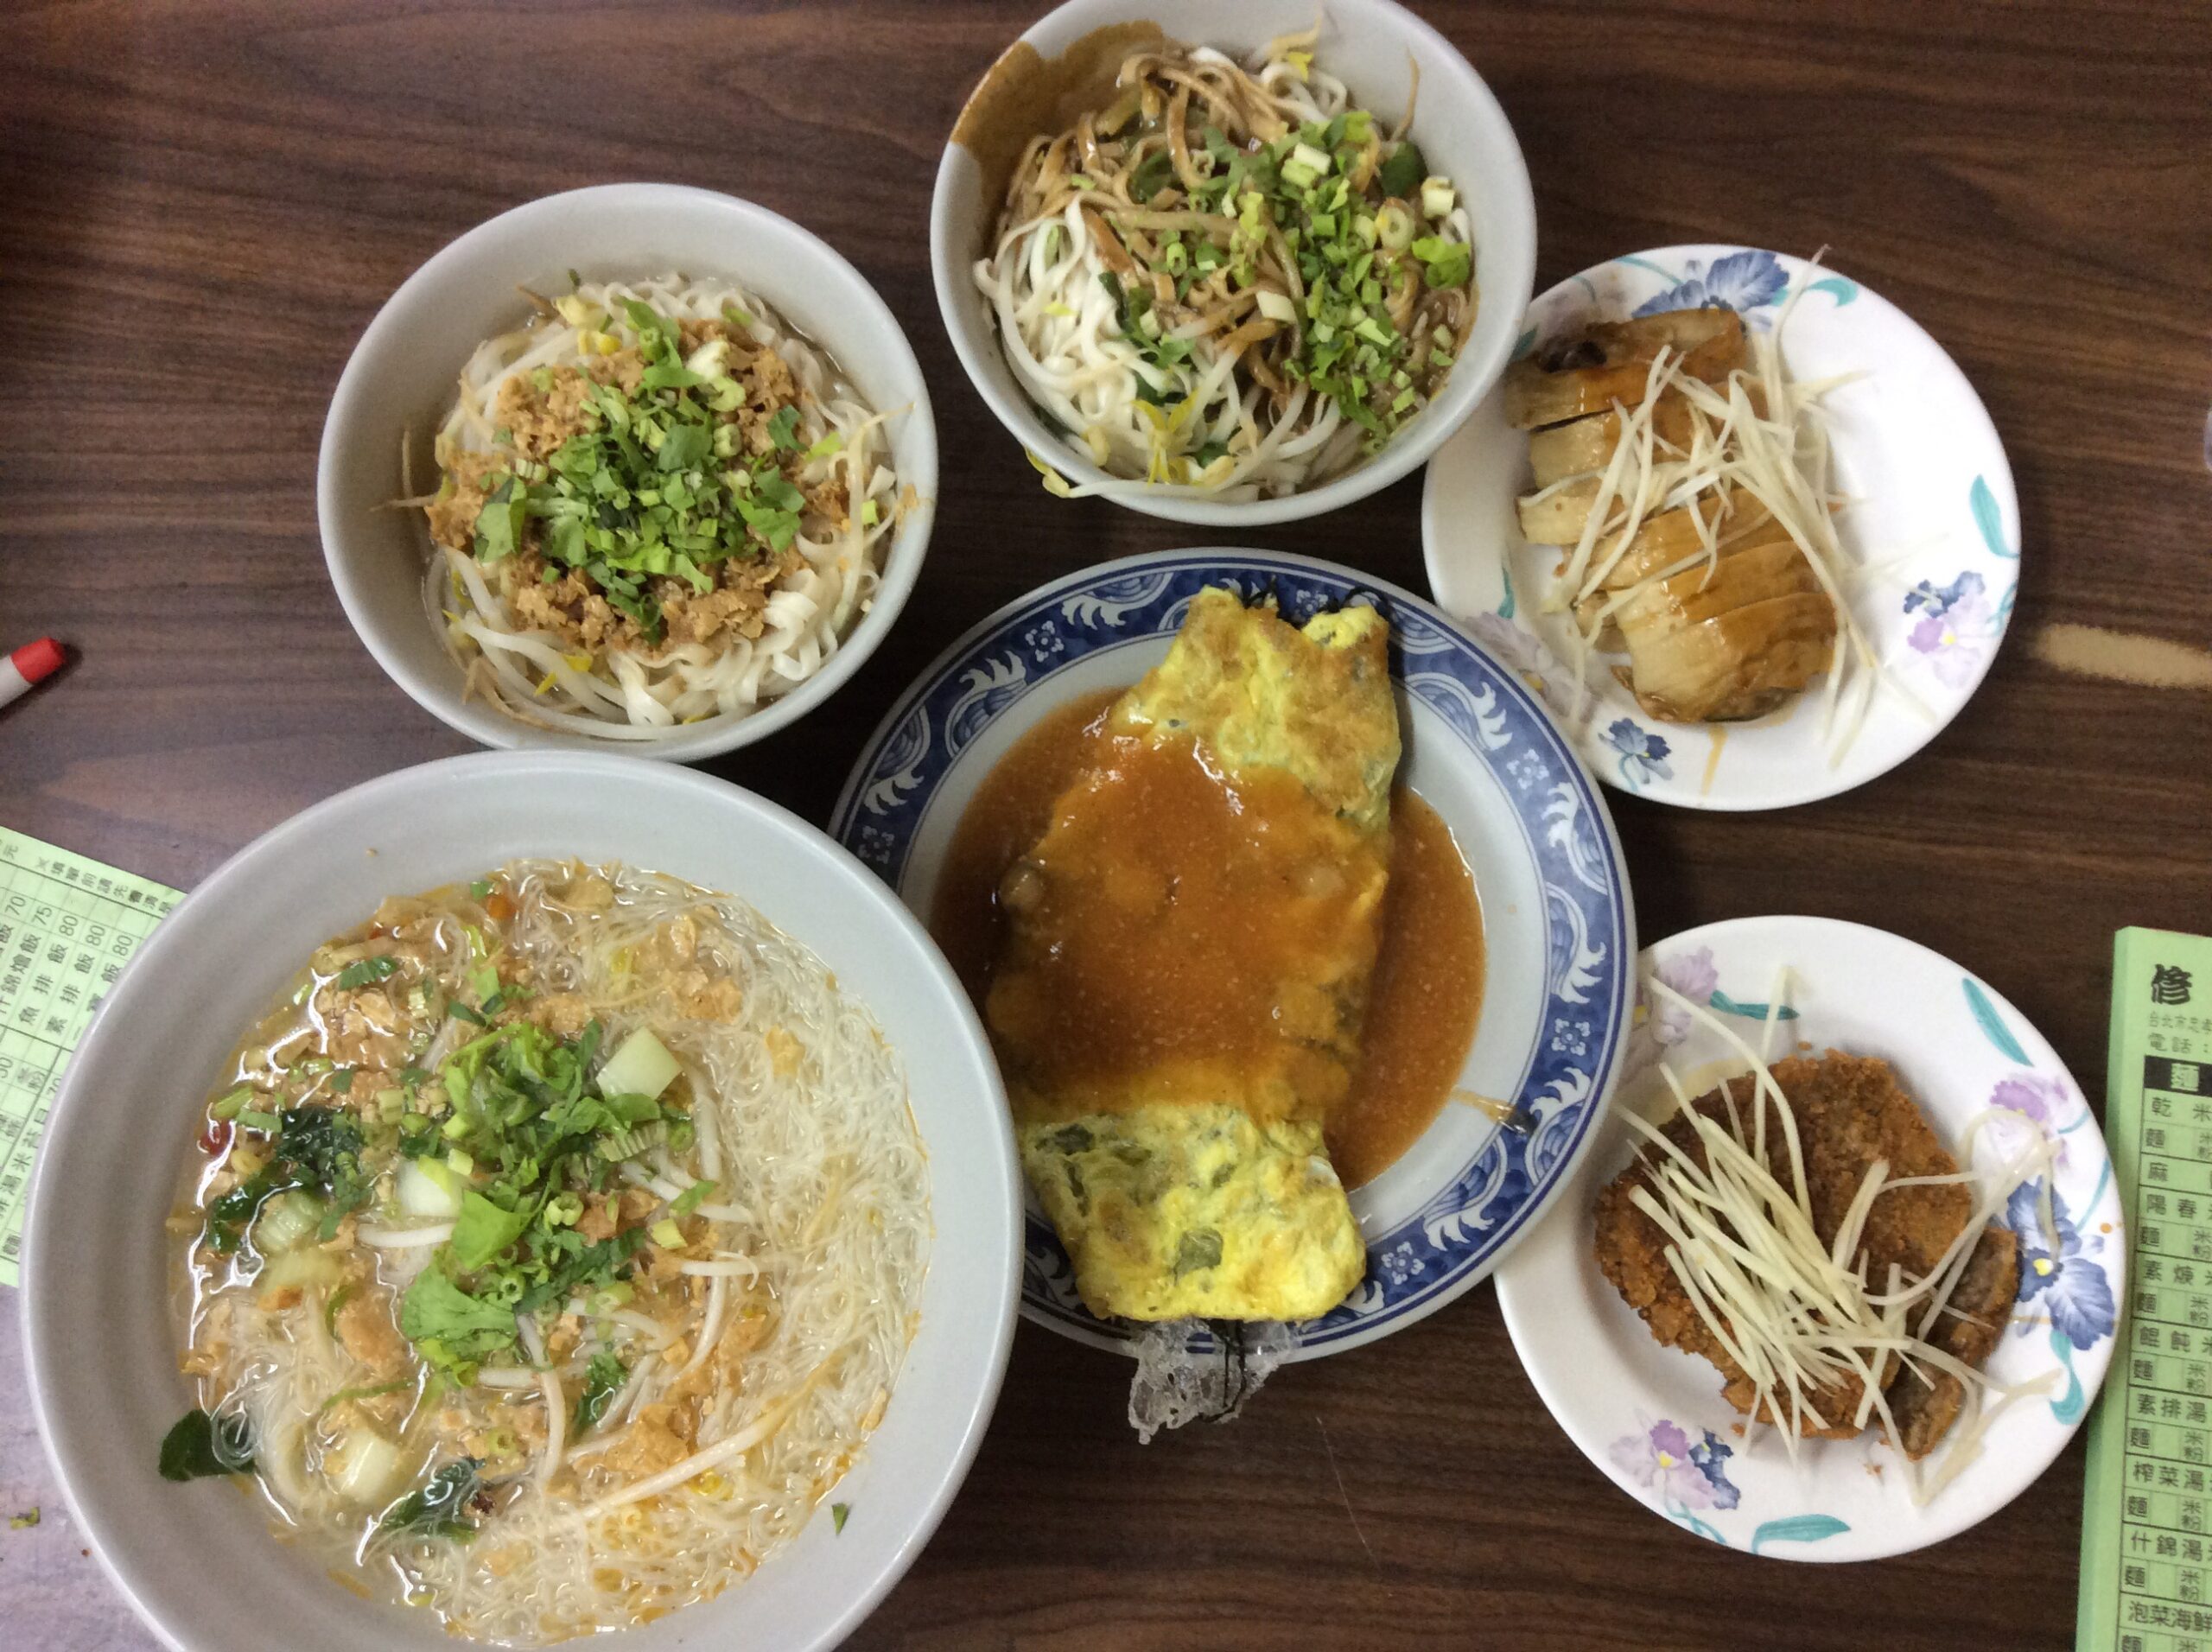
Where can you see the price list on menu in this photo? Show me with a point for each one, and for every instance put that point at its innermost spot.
(68, 924)
(2146, 1538)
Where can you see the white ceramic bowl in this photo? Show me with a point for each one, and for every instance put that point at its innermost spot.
(1372, 45)
(99, 1333)
(401, 380)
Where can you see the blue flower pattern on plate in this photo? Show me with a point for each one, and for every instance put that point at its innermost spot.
(1489, 1200)
(1740, 281)
(2058, 1277)
(1644, 754)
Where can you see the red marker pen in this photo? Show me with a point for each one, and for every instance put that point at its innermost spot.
(29, 666)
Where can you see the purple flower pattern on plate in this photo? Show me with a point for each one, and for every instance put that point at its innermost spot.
(2038, 1099)
(1956, 626)
(1685, 1472)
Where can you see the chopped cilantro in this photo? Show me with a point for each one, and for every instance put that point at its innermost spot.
(1403, 172)
(499, 525)
(453, 1329)
(485, 1229)
(363, 971)
(533, 1133)
(1154, 174)
(603, 1380)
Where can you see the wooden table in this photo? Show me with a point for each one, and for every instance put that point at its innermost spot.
(203, 205)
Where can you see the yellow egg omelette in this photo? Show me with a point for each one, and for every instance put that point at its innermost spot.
(1179, 1000)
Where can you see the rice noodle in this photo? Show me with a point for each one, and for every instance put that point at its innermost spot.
(794, 1305)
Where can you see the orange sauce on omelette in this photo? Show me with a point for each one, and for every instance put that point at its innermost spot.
(1191, 900)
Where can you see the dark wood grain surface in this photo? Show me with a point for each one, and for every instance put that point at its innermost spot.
(203, 202)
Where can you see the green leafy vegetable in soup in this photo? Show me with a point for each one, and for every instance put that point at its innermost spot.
(199, 1446)
(513, 1217)
(437, 1507)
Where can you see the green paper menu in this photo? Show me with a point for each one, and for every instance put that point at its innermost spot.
(2146, 1547)
(67, 926)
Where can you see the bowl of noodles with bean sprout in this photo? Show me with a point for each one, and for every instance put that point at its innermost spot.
(637, 466)
(1234, 263)
(540, 1195)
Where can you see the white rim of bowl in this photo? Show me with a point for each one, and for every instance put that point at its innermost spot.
(300, 832)
(725, 732)
(1400, 458)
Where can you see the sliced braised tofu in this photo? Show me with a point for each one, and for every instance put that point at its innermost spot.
(1610, 362)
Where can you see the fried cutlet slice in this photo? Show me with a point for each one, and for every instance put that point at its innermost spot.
(1850, 1112)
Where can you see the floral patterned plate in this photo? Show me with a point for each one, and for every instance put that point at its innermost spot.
(1557, 923)
(1933, 522)
(1652, 1418)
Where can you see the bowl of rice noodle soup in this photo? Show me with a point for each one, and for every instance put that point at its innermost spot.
(636, 466)
(1231, 263)
(540, 1195)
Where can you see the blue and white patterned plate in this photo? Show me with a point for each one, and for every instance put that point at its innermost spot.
(1932, 522)
(1558, 924)
(1652, 1418)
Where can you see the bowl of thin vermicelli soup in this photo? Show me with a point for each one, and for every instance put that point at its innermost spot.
(637, 468)
(529, 1195)
(1232, 262)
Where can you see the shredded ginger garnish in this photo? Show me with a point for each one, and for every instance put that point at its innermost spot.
(1799, 1317)
(1758, 436)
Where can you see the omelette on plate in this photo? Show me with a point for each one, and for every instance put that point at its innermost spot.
(1179, 1000)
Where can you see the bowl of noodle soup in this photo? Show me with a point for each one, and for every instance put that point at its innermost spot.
(715, 1376)
(1231, 264)
(638, 466)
